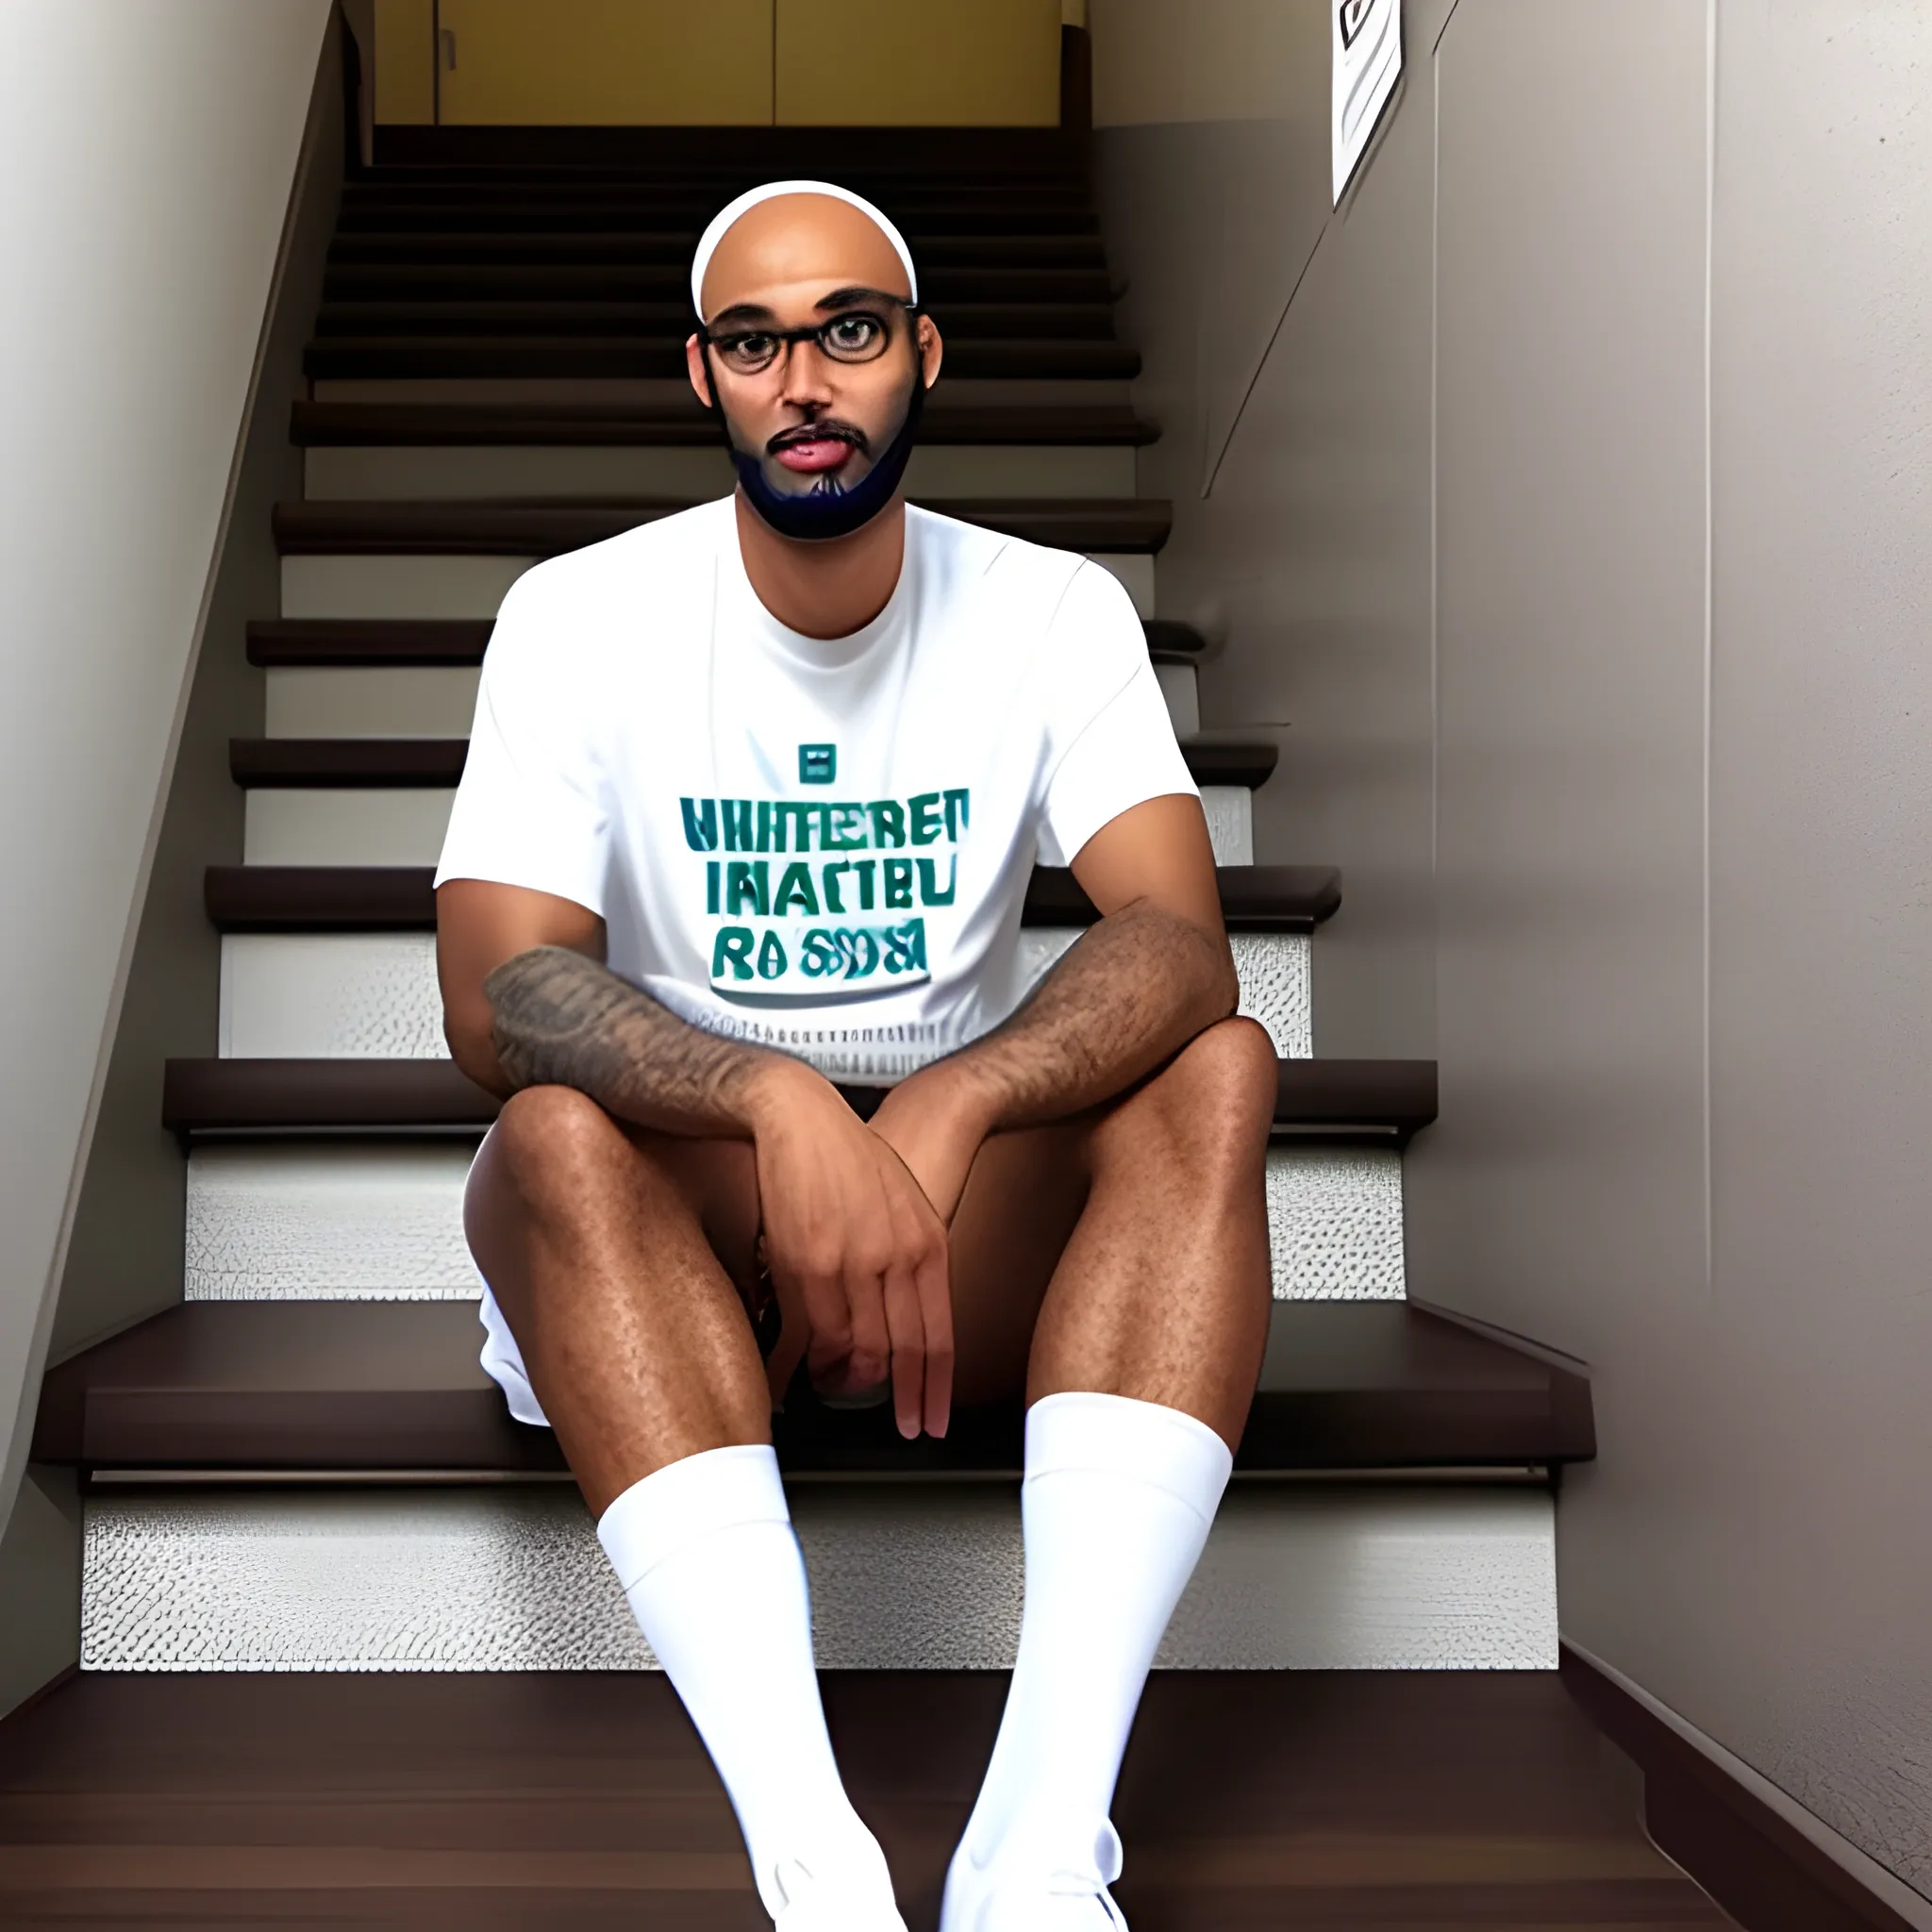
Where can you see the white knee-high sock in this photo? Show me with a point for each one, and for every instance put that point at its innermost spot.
(1117, 1503)
(707, 1558)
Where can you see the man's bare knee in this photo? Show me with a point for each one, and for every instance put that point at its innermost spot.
(1209, 1109)
(553, 1143)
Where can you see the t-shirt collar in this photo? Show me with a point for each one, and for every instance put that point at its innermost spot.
(816, 654)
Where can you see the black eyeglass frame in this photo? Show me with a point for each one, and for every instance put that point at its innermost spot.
(815, 331)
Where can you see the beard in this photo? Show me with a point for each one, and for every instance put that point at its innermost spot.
(834, 479)
(817, 503)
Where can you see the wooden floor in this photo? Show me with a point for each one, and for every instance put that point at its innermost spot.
(1450, 1803)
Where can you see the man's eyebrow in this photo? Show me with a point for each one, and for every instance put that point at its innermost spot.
(741, 312)
(844, 298)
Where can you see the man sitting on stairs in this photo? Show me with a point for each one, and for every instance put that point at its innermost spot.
(752, 801)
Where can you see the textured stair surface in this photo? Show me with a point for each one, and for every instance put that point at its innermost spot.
(366, 1385)
(1354, 1574)
(288, 1218)
(1375, 1100)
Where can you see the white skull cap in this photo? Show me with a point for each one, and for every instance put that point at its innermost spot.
(708, 241)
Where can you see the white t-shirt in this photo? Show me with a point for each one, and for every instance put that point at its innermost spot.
(817, 846)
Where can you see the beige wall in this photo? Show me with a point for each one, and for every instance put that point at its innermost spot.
(727, 62)
(151, 152)
(1156, 62)
(1575, 515)
(1288, 362)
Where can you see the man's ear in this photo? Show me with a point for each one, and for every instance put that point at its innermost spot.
(694, 368)
(932, 351)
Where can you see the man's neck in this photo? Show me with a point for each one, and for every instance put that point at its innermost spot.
(823, 590)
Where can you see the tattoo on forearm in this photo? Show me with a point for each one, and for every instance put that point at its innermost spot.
(558, 1018)
(1134, 989)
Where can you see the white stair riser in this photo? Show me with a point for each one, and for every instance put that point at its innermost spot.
(348, 1221)
(354, 995)
(529, 472)
(355, 584)
(418, 700)
(512, 1579)
(346, 827)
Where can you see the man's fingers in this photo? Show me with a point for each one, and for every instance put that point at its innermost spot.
(869, 1328)
(933, 1286)
(907, 1325)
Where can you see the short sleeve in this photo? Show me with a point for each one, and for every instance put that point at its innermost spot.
(531, 808)
(1111, 742)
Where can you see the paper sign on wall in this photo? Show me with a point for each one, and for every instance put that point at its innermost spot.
(1367, 58)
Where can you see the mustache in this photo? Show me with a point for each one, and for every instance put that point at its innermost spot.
(826, 430)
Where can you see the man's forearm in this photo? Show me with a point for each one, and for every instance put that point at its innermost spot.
(558, 1018)
(1129, 994)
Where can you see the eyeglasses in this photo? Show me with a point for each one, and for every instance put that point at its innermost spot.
(854, 335)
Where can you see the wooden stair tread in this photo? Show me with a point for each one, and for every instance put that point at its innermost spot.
(1380, 1101)
(399, 898)
(404, 526)
(951, 417)
(419, 763)
(348, 641)
(368, 1385)
(373, 357)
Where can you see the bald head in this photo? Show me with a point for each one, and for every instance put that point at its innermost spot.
(792, 240)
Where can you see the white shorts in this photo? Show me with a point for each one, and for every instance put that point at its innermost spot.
(503, 1361)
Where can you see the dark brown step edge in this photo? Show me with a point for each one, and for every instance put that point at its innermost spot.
(377, 359)
(399, 898)
(1134, 525)
(1381, 1102)
(364, 1385)
(398, 642)
(681, 425)
(363, 764)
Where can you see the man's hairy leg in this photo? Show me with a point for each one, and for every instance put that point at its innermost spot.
(1143, 1365)
(1163, 1292)
(1124, 1251)
(612, 1253)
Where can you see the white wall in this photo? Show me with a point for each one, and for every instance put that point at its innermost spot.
(146, 156)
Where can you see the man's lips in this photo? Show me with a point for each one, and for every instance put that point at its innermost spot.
(821, 453)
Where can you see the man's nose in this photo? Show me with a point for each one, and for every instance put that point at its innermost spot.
(808, 376)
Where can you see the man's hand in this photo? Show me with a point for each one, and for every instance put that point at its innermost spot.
(936, 1124)
(854, 1247)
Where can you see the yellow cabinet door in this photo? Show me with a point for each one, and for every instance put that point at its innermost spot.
(604, 63)
(918, 64)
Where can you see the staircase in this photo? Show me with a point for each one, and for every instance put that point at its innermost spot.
(301, 1467)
